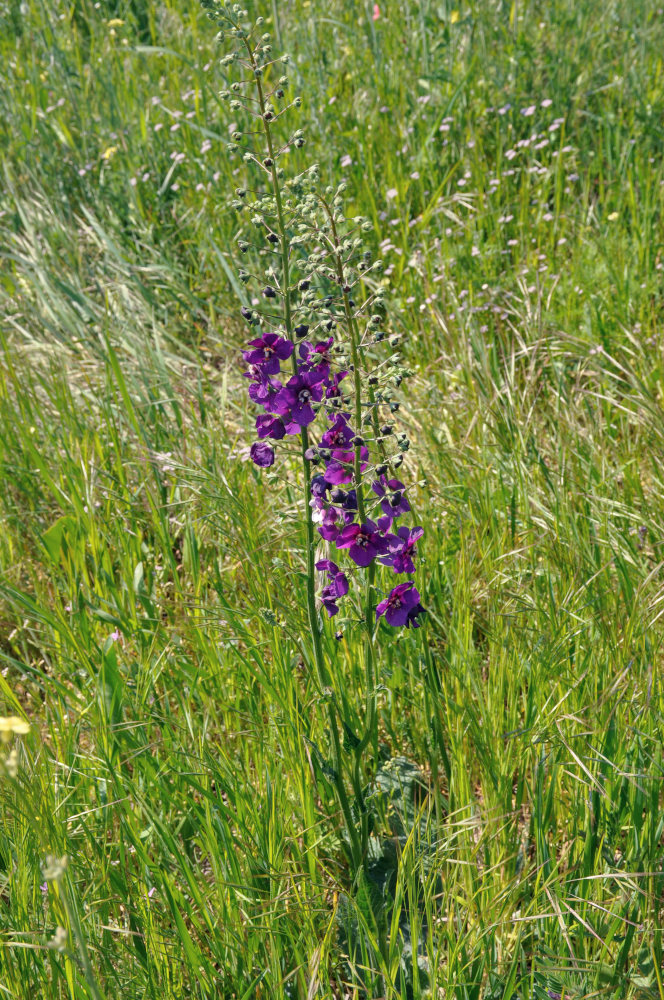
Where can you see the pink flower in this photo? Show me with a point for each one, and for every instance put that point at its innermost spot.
(376, 12)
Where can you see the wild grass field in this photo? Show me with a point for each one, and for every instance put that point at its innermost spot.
(168, 826)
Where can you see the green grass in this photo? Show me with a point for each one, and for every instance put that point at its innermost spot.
(151, 580)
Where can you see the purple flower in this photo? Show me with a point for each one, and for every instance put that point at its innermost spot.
(363, 542)
(339, 435)
(333, 389)
(401, 549)
(317, 356)
(269, 426)
(394, 502)
(268, 351)
(336, 588)
(330, 521)
(263, 388)
(401, 606)
(295, 399)
(319, 487)
(262, 454)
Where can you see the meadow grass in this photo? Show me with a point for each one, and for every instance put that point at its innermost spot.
(152, 592)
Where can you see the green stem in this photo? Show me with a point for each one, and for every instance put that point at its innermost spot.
(356, 846)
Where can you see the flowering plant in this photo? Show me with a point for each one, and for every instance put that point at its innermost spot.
(315, 373)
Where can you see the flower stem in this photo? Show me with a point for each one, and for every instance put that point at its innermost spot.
(356, 845)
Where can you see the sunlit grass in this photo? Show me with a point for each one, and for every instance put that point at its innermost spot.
(151, 592)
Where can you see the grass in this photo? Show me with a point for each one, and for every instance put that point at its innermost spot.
(151, 581)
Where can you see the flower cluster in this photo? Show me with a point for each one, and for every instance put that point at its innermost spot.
(311, 356)
(293, 402)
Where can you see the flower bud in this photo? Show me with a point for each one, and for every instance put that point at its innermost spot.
(302, 330)
(269, 292)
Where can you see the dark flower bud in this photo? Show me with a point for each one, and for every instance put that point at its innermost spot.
(269, 292)
(379, 336)
(273, 238)
(386, 429)
(304, 285)
(381, 470)
(297, 101)
(279, 93)
(338, 636)
(299, 143)
(302, 330)
(243, 246)
(240, 192)
(375, 320)
(268, 162)
(311, 454)
(373, 380)
(337, 496)
(358, 440)
(397, 380)
(268, 116)
(325, 453)
(243, 276)
(247, 313)
(394, 340)
(394, 407)
(346, 289)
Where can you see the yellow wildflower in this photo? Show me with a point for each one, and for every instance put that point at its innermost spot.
(12, 725)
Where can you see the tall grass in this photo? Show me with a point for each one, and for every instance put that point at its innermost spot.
(150, 614)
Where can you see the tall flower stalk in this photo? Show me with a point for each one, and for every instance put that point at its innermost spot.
(314, 371)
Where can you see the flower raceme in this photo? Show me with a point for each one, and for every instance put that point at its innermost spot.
(293, 404)
(312, 369)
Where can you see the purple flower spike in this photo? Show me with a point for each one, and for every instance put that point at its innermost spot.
(268, 351)
(401, 606)
(269, 426)
(295, 399)
(363, 542)
(262, 454)
(394, 502)
(401, 548)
